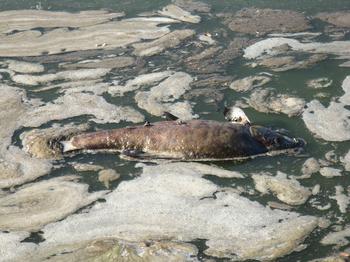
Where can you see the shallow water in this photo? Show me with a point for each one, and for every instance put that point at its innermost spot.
(289, 82)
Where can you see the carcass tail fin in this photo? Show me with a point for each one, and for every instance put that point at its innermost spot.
(67, 146)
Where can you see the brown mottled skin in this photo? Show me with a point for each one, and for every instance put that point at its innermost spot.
(195, 139)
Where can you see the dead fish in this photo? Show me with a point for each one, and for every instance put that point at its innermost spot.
(195, 140)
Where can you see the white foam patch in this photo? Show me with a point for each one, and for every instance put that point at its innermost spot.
(163, 97)
(178, 13)
(339, 238)
(287, 190)
(108, 35)
(17, 167)
(175, 204)
(266, 46)
(11, 246)
(35, 205)
(323, 121)
(342, 199)
(72, 75)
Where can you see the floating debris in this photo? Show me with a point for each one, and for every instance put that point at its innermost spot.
(207, 38)
(345, 64)
(234, 50)
(28, 19)
(343, 200)
(212, 81)
(339, 19)
(248, 83)
(319, 83)
(76, 104)
(337, 238)
(302, 35)
(345, 98)
(334, 258)
(24, 67)
(176, 12)
(167, 41)
(35, 205)
(263, 21)
(17, 167)
(12, 247)
(310, 166)
(205, 61)
(320, 207)
(208, 53)
(285, 63)
(107, 175)
(268, 45)
(210, 95)
(161, 98)
(44, 143)
(108, 63)
(323, 121)
(287, 190)
(139, 81)
(335, 116)
(346, 161)
(316, 189)
(268, 101)
(193, 6)
(94, 86)
(107, 249)
(330, 172)
(331, 157)
(277, 205)
(107, 35)
(86, 167)
(72, 75)
(195, 169)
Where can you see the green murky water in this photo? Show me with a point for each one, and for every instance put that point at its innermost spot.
(291, 82)
(309, 6)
